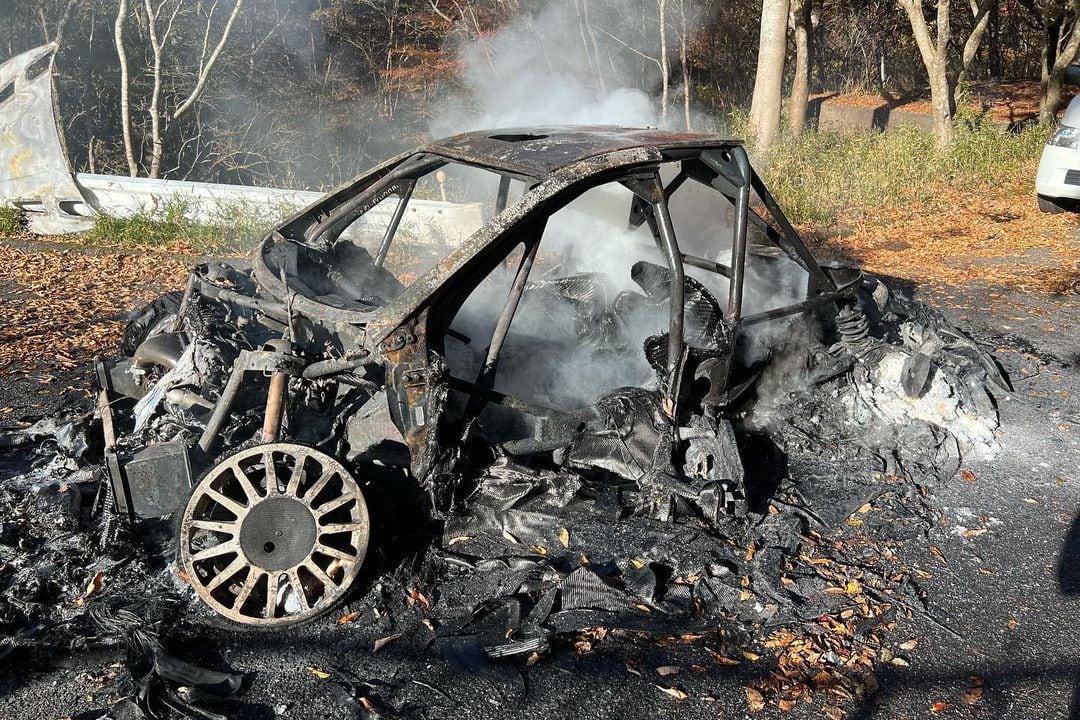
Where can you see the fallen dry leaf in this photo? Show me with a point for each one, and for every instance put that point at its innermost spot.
(755, 700)
(384, 641)
(416, 597)
(994, 235)
(73, 303)
(91, 587)
(673, 692)
(722, 659)
(321, 674)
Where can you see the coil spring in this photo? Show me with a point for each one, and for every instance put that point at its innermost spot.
(202, 317)
(852, 324)
(108, 522)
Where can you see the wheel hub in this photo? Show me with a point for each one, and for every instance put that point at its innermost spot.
(274, 534)
(278, 533)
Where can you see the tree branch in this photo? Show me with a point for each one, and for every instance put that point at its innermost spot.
(920, 29)
(981, 13)
(200, 85)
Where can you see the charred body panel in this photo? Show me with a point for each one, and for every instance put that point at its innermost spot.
(338, 340)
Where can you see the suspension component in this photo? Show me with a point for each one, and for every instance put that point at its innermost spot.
(275, 398)
(852, 325)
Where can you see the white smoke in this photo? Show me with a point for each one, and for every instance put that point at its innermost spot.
(554, 68)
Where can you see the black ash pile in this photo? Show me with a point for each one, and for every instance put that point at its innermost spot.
(780, 519)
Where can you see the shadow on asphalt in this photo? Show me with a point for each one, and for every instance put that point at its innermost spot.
(1069, 583)
(999, 677)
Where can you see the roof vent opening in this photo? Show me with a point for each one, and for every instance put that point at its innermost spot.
(518, 137)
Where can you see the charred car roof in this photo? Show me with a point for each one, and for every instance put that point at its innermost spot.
(540, 151)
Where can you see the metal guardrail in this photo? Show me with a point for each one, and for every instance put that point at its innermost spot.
(203, 202)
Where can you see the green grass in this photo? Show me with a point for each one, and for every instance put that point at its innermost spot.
(231, 229)
(818, 175)
(12, 221)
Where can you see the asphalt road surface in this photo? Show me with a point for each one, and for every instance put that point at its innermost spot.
(1000, 640)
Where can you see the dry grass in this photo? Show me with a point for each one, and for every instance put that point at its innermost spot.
(820, 176)
(991, 233)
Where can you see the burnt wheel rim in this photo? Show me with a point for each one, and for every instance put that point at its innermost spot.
(274, 534)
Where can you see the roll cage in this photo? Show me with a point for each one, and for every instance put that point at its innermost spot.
(417, 322)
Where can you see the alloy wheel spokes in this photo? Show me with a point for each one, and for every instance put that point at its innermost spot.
(274, 534)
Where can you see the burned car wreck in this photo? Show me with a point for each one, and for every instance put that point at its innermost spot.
(566, 358)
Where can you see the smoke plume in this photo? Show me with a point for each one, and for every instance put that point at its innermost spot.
(593, 63)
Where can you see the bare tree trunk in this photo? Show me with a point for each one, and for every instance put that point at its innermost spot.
(765, 106)
(684, 63)
(665, 71)
(1062, 45)
(595, 47)
(1048, 57)
(995, 60)
(125, 88)
(58, 37)
(1050, 101)
(934, 52)
(941, 100)
(156, 142)
(980, 15)
(800, 84)
(588, 43)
